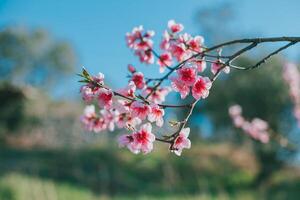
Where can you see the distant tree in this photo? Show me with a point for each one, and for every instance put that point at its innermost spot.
(32, 56)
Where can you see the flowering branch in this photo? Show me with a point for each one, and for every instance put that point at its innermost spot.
(141, 101)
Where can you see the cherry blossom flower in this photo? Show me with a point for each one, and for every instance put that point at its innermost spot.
(105, 98)
(178, 51)
(140, 110)
(201, 87)
(175, 27)
(200, 64)
(195, 44)
(125, 120)
(139, 141)
(158, 96)
(145, 56)
(256, 129)
(165, 43)
(156, 115)
(87, 94)
(179, 86)
(217, 65)
(182, 141)
(138, 79)
(129, 90)
(110, 117)
(91, 121)
(187, 75)
(164, 60)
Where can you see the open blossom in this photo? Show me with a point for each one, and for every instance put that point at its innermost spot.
(156, 115)
(178, 51)
(87, 94)
(256, 129)
(125, 120)
(195, 44)
(158, 96)
(129, 90)
(187, 75)
(175, 27)
(165, 59)
(218, 65)
(139, 141)
(145, 56)
(91, 121)
(140, 110)
(110, 117)
(105, 98)
(179, 86)
(138, 79)
(165, 43)
(201, 87)
(182, 141)
(199, 64)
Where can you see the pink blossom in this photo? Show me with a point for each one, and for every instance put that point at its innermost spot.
(91, 121)
(164, 60)
(218, 65)
(201, 87)
(138, 79)
(182, 141)
(139, 141)
(256, 129)
(129, 90)
(99, 78)
(179, 86)
(99, 125)
(196, 43)
(125, 120)
(110, 117)
(140, 110)
(200, 64)
(156, 115)
(145, 56)
(175, 27)
(165, 43)
(131, 68)
(87, 94)
(178, 51)
(187, 75)
(105, 98)
(158, 96)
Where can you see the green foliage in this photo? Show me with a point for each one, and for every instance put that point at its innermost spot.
(33, 56)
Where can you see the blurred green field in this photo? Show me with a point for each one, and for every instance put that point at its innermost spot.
(208, 171)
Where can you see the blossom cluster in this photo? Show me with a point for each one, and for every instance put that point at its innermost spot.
(256, 129)
(138, 106)
(291, 76)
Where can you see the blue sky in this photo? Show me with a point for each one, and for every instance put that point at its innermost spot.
(96, 28)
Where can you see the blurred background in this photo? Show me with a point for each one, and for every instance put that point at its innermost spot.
(46, 155)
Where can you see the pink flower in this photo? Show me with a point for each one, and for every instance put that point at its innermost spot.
(235, 110)
(178, 51)
(200, 64)
(131, 68)
(218, 65)
(164, 60)
(91, 121)
(140, 141)
(135, 35)
(138, 79)
(99, 78)
(129, 90)
(201, 87)
(174, 27)
(140, 110)
(158, 96)
(145, 56)
(165, 43)
(156, 115)
(110, 118)
(196, 43)
(179, 86)
(187, 75)
(87, 94)
(182, 141)
(105, 98)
